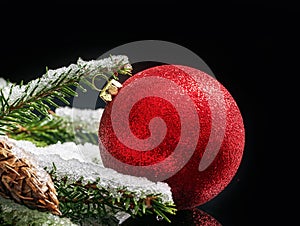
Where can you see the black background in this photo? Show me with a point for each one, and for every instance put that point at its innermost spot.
(249, 47)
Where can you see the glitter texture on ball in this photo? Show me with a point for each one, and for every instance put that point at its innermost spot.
(175, 124)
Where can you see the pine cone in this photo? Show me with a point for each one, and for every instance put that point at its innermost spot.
(21, 181)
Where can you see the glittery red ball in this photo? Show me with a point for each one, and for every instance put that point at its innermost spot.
(178, 125)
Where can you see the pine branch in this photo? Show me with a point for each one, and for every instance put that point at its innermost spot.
(12, 213)
(85, 131)
(45, 131)
(23, 105)
(83, 200)
(85, 190)
(90, 191)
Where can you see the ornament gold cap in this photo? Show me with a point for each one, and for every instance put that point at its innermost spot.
(111, 89)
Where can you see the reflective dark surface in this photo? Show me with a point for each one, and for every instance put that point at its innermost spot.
(192, 217)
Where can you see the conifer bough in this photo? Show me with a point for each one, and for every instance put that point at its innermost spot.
(86, 190)
(22, 106)
(26, 114)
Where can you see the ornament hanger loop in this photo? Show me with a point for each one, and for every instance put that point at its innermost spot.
(94, 78)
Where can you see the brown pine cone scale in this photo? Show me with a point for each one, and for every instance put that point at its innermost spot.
(20, 181)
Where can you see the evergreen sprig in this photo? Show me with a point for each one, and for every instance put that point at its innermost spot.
(80, 200)
(45, 131)
(23, 106)
(85, 131)
(15, 214)
(26, 114)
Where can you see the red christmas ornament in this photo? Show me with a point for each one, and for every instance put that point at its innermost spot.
(178, 125)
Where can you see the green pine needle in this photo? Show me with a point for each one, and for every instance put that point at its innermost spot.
(79, 201)
(43, 132)
(23, 107)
